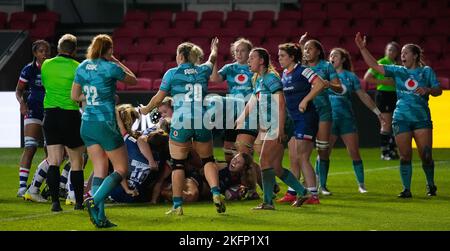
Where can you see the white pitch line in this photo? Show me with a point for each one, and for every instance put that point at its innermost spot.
(111, 205)
(382, 168)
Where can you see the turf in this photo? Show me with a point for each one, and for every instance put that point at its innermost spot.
(346, 209)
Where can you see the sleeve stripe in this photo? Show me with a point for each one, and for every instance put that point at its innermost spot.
(309, 74)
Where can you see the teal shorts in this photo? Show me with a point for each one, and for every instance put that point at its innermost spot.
(185, 135)
(343, 126)
(324, 113)
(104, 133)
(401, 126)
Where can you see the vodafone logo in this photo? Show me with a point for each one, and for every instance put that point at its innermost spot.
(175, 133)
(344, 89)
(241, 79)
(411, 84)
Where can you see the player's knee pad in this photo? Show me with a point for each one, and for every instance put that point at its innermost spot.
(322, 145)
(178, 164)
(30, 142)
(207, 160)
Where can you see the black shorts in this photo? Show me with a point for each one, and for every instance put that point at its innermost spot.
(386, 101)
(62, 127)
(231, 134)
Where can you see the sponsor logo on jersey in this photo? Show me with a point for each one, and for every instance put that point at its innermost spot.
(91, 67)
(241, 79)
(411, 84)
(175, 133)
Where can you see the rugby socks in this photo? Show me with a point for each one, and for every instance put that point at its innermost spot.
(64, 176)
(39, 177)
(96, 183)
(215, 190)
(324, 166)
(23, 176)
(110, 182)
(359, 171)
(177, 202)
(77, 180)
(289, 179)
(268, 181)
(385, 139)
(429, 172)
(291, 191)
(313, 190)
(53, 177)
(406, 173)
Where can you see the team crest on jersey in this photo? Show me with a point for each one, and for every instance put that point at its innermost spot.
(344, 89)
(411, 84)
(241, 79)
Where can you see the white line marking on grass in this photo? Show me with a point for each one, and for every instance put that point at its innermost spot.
(382, 168)
(30, 217)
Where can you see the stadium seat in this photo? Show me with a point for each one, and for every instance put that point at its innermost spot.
(263, 15)
(261, 24)
(186, 15)
(170, 64)
(407, 39)
(161, 15)
(364, 25)
(48, 16)
(121, 86)
(238, 15)
(3, 19)
(338, 10)
(363, 9)
(156, 84)
(151, 69)
(185, 24)
(377, 44)
(210, 24)
(389, 27)
(415, 26)
(440, 26)
(212, 15)
(159, 25)
(235, 24)
(127, 32)
(136, 15)
(286, 24)
(24, 16)
(289, 15)
(143, 84)
(19, 25)
(330, 42)
(445, 82)
(132, 55)
(134, 24)
(336, 26)
(43, 32)
(133, 66)
(313, 27)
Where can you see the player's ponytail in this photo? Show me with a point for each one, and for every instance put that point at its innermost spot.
(128, 115)
(416, 50)
(99, 46)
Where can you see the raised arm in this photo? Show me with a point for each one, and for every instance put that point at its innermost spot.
(368, 58)
(154, 102)
(214, 50)
(129, 78)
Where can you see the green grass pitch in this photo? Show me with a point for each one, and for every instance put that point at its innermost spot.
(346, 209)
